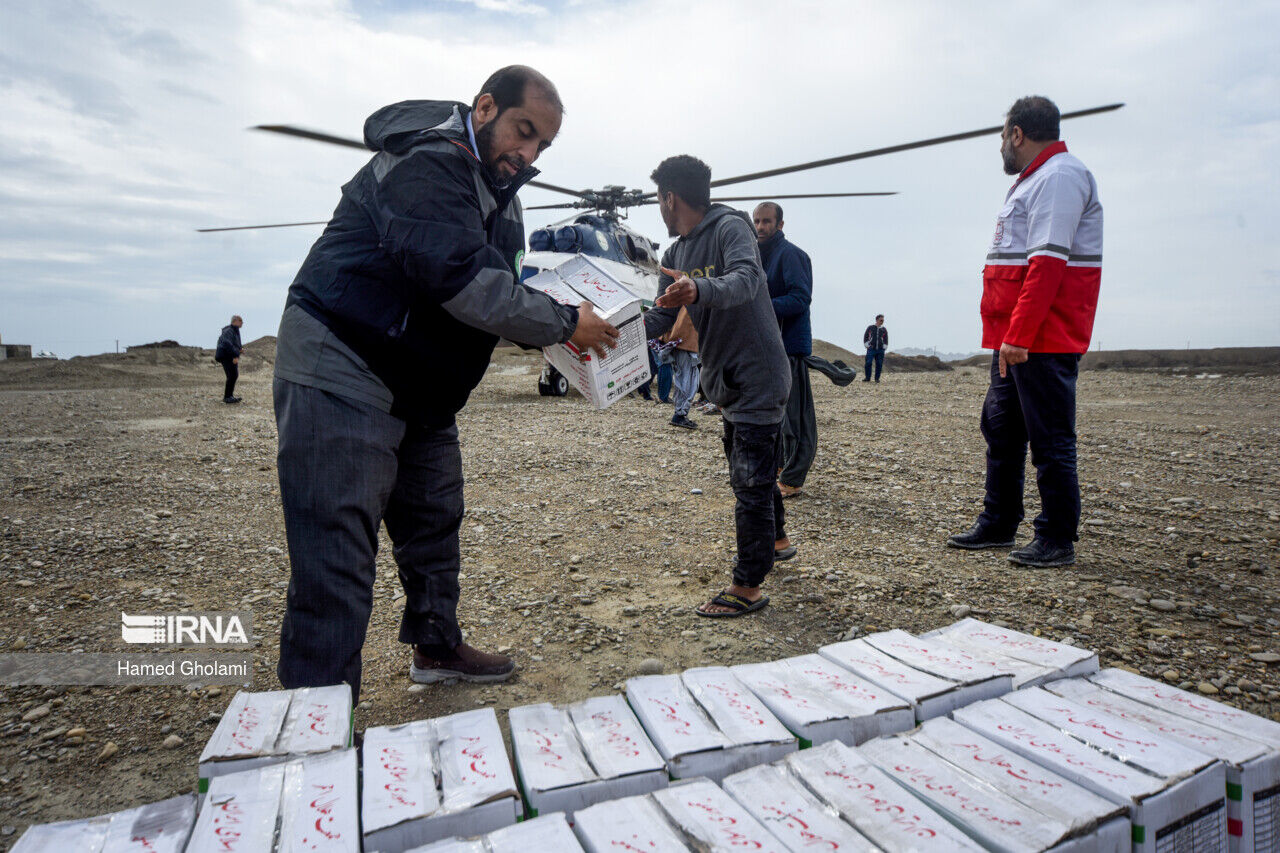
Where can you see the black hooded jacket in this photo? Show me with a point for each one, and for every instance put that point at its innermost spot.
(418, 270)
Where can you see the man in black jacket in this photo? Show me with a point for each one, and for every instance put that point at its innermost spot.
(876, 340)
(389, 325)
(227, 354)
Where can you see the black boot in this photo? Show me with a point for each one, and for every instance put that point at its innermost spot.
(978, 537)
(1041, 554)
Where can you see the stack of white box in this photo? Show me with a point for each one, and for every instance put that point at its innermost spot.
(1035, 660)
(163, 827)
(592, 751)
(706, 722)
(432, 779)
(696, 810)
(1249, 745)
(933, 677)
(258, 729)
(1174, 794)
(820, 701)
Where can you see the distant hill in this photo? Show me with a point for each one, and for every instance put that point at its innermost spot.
(1219, 360)
(893, 362)
(944, 356)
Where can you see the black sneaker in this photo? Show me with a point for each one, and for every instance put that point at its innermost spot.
(1040, 554)
(231, 399)
(682, 421)
(978, 537)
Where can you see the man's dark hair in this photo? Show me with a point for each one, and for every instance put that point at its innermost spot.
(687, 177)
(777, 209)
(879, 316)
(509, 85)
(1037, 116)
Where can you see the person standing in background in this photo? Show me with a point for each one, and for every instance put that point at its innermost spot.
(227, 354)
(790, 275)
(876, 340)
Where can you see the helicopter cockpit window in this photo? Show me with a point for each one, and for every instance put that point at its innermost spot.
(629, 248)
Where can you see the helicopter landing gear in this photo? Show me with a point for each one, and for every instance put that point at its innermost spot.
(552, 383)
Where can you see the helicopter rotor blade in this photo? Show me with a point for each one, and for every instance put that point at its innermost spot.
(554, 206)
(303, 133)
(256, 227)
(801, 195)
(892, 149)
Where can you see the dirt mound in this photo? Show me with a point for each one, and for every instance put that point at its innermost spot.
(159, 365)
(893, 363)
(169, 344)
(1233, 360)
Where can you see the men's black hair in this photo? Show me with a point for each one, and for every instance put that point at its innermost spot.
(777, 209)
(879, 316)
(687, 177)
(509, 85)
(1037, 116)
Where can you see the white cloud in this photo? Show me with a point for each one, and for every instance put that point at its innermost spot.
(125, 131)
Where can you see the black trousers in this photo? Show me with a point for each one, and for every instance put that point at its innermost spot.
(1035, 404)
(799, 427)
(346, 467)
(233, 373)
(753, 452)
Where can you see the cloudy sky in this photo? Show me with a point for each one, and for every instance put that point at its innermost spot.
(124, 131)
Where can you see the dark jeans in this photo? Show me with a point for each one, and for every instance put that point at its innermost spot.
(233, 373)
(754, 452)
(799, 427)
(1035, 404)
(876, 355)
(346, 467)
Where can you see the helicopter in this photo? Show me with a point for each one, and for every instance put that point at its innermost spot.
(600, 232)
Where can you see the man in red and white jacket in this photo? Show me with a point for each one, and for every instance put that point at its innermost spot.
(1039, 295)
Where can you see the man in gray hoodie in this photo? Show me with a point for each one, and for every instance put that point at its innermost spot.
(714, 269)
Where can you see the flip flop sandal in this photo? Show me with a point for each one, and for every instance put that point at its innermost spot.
(741, 606)
(784, 553)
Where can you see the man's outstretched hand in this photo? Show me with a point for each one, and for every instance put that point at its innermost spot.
(682, 291)
(593, 331)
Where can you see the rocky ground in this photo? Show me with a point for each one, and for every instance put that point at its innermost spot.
(125, 484)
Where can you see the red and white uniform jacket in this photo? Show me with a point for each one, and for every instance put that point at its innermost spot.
(1044, 267)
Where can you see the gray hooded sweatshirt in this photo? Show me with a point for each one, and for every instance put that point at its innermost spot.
(744, 365)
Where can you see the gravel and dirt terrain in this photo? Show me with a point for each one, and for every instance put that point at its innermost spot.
(127, 485)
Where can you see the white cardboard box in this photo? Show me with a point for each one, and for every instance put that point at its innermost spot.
(820, 701)
(592, 751)
(601, 380)
(877, 806)
(707, 723)
(972, 634)
(978, 678)
(992, 818)
(239, 812)
(319, 806)
(632, 823)
(1185, 807)
(433, 779)
(550, 832)
(1095, 822)
(1252, 766)
(1024, 674)
(275, 726)
(773, 796)
(928, 695)
(717, 821)
(163, 827)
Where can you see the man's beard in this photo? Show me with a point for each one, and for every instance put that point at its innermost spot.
(484, 142)
(1010, 163)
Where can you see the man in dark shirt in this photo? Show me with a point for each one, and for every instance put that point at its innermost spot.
(419, 267)
(227, 354)
(714, 269)
(790, 275)
(876, 340)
